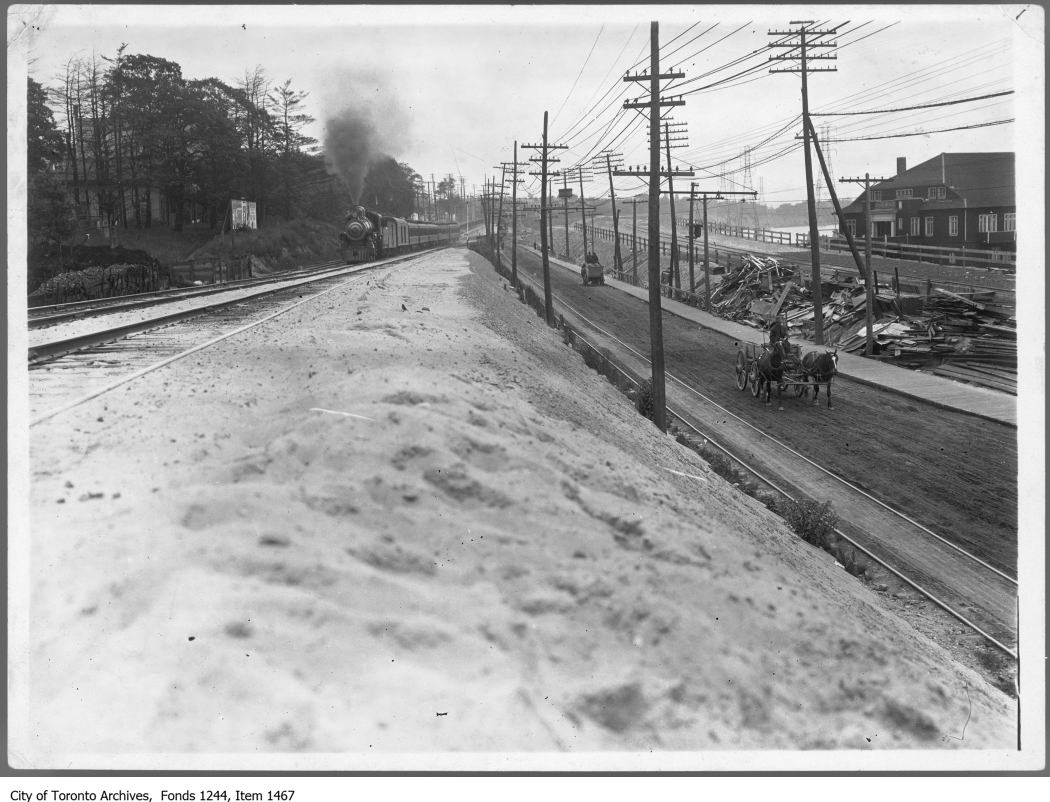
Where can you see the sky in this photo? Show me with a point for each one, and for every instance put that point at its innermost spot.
(459, 84)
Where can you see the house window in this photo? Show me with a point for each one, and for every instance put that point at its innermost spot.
(929, 226)
(915, 226)
(903, 193)
(900, 223)
(936, 193)
(953, 225)
(987, 222)
(851, 227)
(876, 195)
(1010, 221)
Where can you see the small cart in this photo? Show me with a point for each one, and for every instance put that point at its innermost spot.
(591, 271)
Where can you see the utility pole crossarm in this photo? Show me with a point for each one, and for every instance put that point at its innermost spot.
(661, 173)
(646, 104)
(644, 76)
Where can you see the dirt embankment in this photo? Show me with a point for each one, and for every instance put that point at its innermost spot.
(406, 518)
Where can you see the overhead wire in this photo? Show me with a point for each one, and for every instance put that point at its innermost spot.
(586, 61)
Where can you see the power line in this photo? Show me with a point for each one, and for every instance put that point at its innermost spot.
(586, 61)
(666, 44)
(924, 133)
(910, 108)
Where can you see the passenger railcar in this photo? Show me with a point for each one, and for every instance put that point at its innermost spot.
(369, 235)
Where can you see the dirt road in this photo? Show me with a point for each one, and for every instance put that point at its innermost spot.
(954, 473)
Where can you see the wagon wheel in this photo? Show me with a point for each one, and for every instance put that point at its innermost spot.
(753, 379)
(741, 371)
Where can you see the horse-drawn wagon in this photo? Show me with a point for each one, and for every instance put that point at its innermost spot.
(760, 365)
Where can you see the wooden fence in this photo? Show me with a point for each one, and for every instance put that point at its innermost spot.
(209, 271)
(903, 251)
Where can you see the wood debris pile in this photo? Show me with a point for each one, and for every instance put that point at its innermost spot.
(960, 336)
(953, 335)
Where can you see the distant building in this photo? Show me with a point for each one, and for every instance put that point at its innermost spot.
(951, 200)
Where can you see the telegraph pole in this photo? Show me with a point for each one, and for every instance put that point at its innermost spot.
(565, 193)
(634, 236)
(802, 45)
(670, 136)
(864, 268)
(692, 234)
(544, 148)
(869, 290)
(656, 338)
(674, 220)
(869, 284)
(550, 215)
(499, 218)
(583, 211)
(617, 259)
(514, 222)
(705, 196)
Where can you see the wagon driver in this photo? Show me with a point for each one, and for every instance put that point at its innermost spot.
(778, 332)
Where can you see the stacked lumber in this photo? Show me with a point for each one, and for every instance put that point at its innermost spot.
(952, 336)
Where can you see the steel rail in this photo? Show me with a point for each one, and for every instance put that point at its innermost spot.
(804, 458)
(57, 313)
(881, 561)
(183, 354)
(57, 348)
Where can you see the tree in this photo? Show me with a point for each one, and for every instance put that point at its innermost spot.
(446, 192)
(290, 120)
(44, 143)
(219, 166)
(50, 218)
(389, 188)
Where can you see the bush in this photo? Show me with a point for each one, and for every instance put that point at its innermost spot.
(644, 402)
(815, 523)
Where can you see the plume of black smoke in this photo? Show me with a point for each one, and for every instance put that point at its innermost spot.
(366, 124)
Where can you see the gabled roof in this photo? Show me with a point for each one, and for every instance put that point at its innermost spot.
(983, 179)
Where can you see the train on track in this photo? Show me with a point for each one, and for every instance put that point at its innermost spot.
(368, 235)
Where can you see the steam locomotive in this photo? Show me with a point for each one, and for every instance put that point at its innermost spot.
(369, 235)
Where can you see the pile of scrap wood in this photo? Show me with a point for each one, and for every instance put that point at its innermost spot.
(958, 335)
(953, 335)
(759, 288)
(753, 291)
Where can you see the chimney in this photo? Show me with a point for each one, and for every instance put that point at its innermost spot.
(902, 165)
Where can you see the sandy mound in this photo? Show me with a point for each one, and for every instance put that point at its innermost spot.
(358, 529)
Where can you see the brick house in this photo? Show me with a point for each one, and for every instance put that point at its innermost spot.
(951, 200)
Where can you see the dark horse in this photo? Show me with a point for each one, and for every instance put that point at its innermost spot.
(770, 368)
(821, 368)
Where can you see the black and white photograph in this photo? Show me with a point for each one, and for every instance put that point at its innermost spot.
(533, 389)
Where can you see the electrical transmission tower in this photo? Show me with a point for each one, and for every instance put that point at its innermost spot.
(746, 183)
(798, 43)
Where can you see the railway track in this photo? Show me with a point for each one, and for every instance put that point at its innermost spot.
(978, 594)
(53, 314)
(67, 371)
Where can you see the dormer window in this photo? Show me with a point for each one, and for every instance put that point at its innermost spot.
(903, 193)
(876, 195)
(937, 193)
